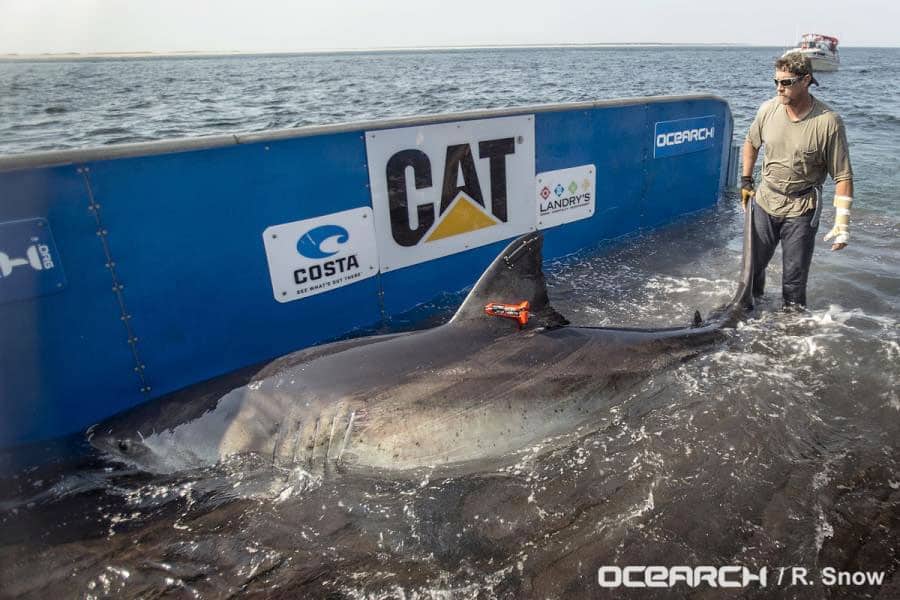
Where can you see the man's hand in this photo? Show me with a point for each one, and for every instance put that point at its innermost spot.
(841, 230)
(746, 191)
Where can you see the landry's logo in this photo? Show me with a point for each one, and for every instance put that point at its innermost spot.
(462, 207)
(566, 197)
(444, 188)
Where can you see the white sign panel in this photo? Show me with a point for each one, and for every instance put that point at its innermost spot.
(444, 188)
(321, 254)
(565, 195)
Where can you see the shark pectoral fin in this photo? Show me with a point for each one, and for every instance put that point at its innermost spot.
(514, 276)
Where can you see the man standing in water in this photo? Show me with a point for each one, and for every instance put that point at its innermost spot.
(805, 141)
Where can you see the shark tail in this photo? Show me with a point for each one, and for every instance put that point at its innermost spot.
(742, 302)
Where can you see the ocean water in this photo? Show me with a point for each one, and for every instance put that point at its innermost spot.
(778, 448)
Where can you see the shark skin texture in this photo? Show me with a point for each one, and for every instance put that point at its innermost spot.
(457, 398)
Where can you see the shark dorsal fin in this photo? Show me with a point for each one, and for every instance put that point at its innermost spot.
(513, 277)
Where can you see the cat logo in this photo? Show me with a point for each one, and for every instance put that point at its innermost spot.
(445, 188)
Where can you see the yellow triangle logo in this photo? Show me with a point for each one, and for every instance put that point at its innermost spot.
(463, 217)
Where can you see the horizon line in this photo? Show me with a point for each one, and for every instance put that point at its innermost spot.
(176, 53)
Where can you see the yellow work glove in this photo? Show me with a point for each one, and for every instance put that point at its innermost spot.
(746, 191)
(841, 230)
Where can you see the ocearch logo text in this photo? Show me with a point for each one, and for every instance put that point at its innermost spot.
(666, 577)
(680, 137)
(683, 136)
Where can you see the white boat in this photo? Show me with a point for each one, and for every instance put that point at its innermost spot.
(821, 49)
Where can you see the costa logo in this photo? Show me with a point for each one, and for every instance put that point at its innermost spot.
(315, 242)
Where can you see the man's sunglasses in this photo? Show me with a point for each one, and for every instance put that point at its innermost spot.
(788, 82)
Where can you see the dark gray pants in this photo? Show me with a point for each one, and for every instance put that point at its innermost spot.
(798, 238)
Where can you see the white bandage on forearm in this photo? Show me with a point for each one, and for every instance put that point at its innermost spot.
(841, 230)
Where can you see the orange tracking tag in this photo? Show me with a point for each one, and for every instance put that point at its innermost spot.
(518, 312)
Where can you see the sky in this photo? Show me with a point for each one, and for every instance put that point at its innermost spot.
(90, 26)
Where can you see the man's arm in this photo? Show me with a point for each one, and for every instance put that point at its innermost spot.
(843, 200)
(749, 156)
(844, 188)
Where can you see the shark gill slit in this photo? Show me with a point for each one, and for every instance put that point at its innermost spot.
(312, 443)
(334, 418)
(346, 435)
(279, 441)
(297, 440)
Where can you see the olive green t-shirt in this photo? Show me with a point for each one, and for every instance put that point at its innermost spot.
(798, 155)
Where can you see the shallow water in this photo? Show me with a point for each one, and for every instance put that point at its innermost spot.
(776, 448)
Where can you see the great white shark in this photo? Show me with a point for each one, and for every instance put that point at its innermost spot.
(459, 395)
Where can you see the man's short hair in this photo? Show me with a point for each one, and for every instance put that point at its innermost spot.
(796, 63)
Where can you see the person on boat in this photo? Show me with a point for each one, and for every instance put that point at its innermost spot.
(805, 142)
